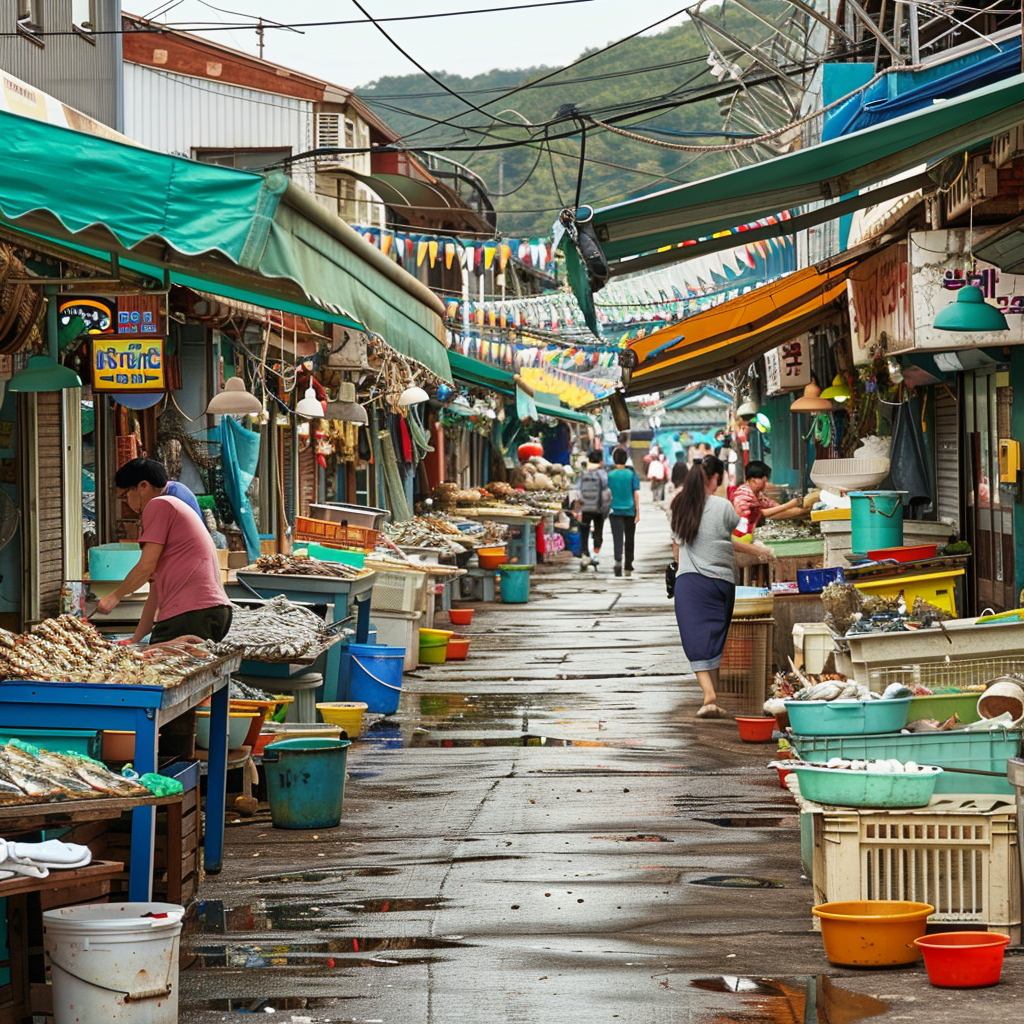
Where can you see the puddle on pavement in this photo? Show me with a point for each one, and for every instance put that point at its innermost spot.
(324, 954)
(748, 822)
(394, 906)
(787, 1001)
(446, 740)
(736, 882)
(263, 1005)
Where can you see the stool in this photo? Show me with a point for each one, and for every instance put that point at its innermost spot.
(478, 585)
(303, 687)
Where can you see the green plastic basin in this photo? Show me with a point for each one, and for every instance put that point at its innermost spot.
(945, 705)
(844, 787)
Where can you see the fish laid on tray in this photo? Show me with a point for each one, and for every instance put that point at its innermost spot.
(32, 775)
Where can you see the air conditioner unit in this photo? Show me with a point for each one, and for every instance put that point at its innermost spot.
(1008, 146)
(980, 181)
(348, 351)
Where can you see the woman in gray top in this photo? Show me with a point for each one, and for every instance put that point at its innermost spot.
(703, 547)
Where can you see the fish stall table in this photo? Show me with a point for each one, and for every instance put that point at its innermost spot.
(142, 710)
(337, 593)
(521, 548)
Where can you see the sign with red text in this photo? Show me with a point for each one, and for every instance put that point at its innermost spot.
(788, 367)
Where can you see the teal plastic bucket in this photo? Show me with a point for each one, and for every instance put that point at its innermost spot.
(375, 676)
(305, 781)
(515, 583)
(876, 520)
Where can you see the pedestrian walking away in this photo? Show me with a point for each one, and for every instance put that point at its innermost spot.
(595, 503)
(703, 546)
(657, 472)
(178, 560)
(624, 485)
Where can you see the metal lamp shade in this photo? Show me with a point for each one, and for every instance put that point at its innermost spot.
(970, 313)
(811, 401)
(44, 374)
(309, 407)
(838, 390)
(347, 409)
(412, 396)
(234, 400)
(748, 410)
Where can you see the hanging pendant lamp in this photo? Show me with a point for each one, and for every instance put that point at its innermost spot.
(233, 400)
(412, 396)
(970, 314)
(838, 391)
(44, 374)
(811, 401)
(347, 409)
(309, 406)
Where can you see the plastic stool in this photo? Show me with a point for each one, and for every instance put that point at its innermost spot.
(478, 585)
(302, 687)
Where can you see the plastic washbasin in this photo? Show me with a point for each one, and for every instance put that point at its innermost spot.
(847, 717)
(979, 751)
(844, 787)
(963, 959)
(942, 706)
(872, 933)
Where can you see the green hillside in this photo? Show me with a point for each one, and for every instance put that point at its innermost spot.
(643, 71)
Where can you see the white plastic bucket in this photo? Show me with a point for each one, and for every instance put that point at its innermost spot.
(111, 962)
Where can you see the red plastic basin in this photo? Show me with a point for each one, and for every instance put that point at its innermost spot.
(756, 730)
(458, 650)
(460, 616)
(963, 959)
(783, 774)
(905, 553)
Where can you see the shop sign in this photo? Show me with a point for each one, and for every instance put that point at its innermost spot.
(938, 271)
(99, 314)
(878, 296)
(128, 364)
(140, 314)
(788, 367)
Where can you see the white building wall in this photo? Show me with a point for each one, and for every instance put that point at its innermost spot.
(175, 113)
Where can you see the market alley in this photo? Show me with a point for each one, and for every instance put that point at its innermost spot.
(541, 833)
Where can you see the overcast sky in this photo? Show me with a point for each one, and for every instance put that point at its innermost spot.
(356, 55)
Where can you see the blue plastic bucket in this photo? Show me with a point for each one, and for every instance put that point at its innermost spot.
(375, 676)
(515, 584)
(876, 520)
(305, 781)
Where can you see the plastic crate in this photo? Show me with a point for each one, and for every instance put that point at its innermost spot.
(60, 741)
(398, 591)
(335, 534)
(745, 672)
(814, 581)
(938, 588)
(981, 751)
(958, 857)
(945, 677)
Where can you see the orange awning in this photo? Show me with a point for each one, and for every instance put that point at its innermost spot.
(731, 336)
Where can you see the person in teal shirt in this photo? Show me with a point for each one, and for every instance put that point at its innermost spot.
(625, 512)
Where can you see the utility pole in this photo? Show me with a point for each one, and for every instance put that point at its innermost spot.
(259, 34)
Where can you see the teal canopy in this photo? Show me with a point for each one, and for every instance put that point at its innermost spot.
(250, 237)
(824, 172)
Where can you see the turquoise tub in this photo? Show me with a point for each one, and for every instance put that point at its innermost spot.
(847, 717)
(842, 787)
(306, 781)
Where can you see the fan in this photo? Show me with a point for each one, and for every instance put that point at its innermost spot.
(10, 516)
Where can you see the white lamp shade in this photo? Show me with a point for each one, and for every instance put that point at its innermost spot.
(234, 400)
(412, 396)
(309, 407)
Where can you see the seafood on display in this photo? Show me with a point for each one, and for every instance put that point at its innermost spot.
(276, 631)
(31, 775)
(294, 565)
(70, 650)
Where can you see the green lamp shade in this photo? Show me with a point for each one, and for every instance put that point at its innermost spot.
(970, 313)
(838, 390)
(44, 374)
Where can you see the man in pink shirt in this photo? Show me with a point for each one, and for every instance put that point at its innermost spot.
(179, 561)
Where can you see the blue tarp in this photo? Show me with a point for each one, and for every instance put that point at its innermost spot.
(874, 105)
(240, 454)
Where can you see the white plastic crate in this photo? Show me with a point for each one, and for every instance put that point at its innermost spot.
(398, 591)
(958, 854)
(400, 629)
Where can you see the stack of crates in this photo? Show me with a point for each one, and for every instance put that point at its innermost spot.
(745, 672)
(960, 854)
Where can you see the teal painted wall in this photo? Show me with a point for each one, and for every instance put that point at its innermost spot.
(1017, 431)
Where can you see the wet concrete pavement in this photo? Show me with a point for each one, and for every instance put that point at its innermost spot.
(544, 832)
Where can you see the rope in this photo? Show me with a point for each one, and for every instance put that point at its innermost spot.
(760, 139)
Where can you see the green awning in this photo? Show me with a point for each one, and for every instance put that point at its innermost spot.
(479, 374)
(550, 405)
(250, 237)
(824, 172)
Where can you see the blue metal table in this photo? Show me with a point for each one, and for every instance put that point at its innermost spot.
(338, 594)
(142, 710)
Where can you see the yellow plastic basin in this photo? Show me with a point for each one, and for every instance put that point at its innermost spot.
(872, 933)
(347, 714)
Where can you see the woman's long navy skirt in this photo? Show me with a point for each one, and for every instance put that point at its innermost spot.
(703, 612)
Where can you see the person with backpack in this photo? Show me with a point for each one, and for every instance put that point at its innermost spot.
(595, 504)
(624, 485)
(657, 473)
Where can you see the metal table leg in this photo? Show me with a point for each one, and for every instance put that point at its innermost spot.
(216, 782)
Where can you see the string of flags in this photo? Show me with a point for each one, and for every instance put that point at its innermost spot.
(413, 249)
(513, 356)
(571, 388)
